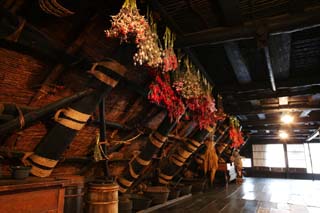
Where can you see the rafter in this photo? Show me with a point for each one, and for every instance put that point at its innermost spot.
(276, 25)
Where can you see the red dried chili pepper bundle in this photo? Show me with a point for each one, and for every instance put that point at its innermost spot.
(203, 110)
(235, 133)
(162, 93)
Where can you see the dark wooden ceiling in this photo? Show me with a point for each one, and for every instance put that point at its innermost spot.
(262, 55)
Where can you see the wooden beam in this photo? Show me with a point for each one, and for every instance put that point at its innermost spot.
(276, 25)
(268, 94)
(270, 69)
(237, 62)
(291, 127)
(244, 110)
(262, 86)
(270, 122)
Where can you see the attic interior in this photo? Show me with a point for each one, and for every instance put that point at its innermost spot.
(159, 106)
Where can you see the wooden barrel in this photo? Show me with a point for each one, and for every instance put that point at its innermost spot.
(102, 198)
(73, 198)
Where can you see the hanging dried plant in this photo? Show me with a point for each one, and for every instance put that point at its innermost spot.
(235, 133)
(210, 162)
(170, 61)
(162, 93)
(129, 25)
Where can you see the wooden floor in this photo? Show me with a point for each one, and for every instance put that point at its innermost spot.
(260, 195)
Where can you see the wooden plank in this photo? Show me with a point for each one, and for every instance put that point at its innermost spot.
(280, 48)
(230, 10)
(237, 62)
(276, 25)
(170, 202)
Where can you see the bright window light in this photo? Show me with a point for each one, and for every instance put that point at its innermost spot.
(286, 118)
(283, 134)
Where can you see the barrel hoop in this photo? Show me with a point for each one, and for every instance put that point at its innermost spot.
(209, 129)
(72, 124)
(74, 195)
(194, 143)
(184, 153)
(122, 190)
(125, 182)
(179, 158)
(163, 181)
(166, 177)
(132, 172)
(112, 65)
(40, 172)
(61, 8)
(176, 162)
(142, 162)
(1, 108)
(191, 147)
(101, 203)
(160, 137)
(76, 115)
(43, 161)
(155, 141)
(103, 78)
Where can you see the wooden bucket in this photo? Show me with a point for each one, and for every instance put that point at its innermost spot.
(158, 194)
(73, 198)
(125, 204)
(102, 198)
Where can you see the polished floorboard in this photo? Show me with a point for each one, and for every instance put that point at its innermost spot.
(262, 195)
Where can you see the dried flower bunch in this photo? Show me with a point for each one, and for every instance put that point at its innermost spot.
(161, 92)
(188, 84)
(148, 51)
(129, 25)
(170, 61)
(235, 133)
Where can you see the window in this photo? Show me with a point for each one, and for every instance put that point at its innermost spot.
(296, 156)
(246, 162)
(268, 155)
(313, 157)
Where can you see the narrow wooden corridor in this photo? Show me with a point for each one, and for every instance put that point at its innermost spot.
(260, 195)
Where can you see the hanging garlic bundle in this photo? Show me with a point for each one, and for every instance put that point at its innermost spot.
(128, 24)
(170, 62)
(188, 84)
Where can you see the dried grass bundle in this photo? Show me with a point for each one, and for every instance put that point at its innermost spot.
(210, 163)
